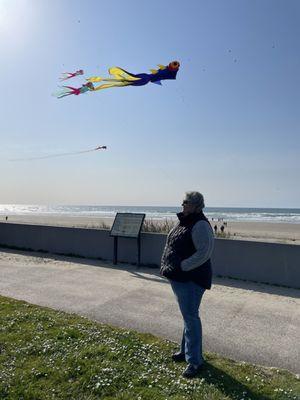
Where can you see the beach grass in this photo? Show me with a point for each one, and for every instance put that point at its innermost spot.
(149, 225)
(47, 354)
(154, 226)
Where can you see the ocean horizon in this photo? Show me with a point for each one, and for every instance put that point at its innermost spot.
(287, 215)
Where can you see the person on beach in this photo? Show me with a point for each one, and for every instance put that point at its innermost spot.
(186, 264)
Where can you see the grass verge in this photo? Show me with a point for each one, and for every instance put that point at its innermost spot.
(46, 354)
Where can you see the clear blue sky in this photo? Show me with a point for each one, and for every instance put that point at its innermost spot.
(229, 126)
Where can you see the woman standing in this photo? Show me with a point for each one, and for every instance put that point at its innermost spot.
(186, 264)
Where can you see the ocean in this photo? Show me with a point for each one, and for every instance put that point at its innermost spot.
(290, 215)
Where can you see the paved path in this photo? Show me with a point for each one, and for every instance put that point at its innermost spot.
(245, 321)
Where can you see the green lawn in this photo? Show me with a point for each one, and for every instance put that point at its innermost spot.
(45, 354)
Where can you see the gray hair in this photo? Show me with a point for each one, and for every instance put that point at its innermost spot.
(195, 198)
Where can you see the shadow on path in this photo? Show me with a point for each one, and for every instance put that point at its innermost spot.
(257, 287)
(228, 385)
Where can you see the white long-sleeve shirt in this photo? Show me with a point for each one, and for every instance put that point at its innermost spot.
(203, 239)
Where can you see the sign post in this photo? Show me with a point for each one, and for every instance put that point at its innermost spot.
(127, 225)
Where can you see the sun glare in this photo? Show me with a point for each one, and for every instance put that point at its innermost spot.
(5, 15)
(15, 19)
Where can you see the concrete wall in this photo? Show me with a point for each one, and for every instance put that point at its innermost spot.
(262, 262)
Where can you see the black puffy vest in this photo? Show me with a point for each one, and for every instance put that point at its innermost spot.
(180, 246)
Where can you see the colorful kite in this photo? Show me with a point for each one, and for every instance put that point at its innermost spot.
(68, 90)
(125, 78)
(120, 77)
(68, 75)
(60, 154)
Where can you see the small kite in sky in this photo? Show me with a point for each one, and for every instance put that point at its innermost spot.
(68, 90)
(60, 154)
(68, 75)
(120, 77)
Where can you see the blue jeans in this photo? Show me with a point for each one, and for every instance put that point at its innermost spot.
(189, 295)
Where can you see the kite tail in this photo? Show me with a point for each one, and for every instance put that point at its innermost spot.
(68, 75)
(64, 76)
(117, 81)
(112, 83)
(120, 78)
(65, 91)
(94, 79)
(59, 154)
(62, 93)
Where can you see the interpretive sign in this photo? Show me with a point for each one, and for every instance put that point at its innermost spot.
(127, 225)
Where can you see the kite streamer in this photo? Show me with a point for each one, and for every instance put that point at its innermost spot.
(68, 75)
(60, 154)
(68, 90)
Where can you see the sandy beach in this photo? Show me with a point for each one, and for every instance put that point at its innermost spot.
(257, 231)
(279, 232)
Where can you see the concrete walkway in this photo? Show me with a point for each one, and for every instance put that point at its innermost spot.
(245, 321)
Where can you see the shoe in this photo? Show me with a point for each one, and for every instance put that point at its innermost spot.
(191, 371)
(178, 357)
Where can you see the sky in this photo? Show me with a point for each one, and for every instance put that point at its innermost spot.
(228, 126)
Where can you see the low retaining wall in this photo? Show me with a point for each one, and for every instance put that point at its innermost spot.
(257, 261)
